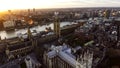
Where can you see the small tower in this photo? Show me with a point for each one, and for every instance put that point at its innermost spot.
(117, 24)
(21, 38)
(28, 62)
(5, 40)
(7, 52)
(0, 39)
(57, 25)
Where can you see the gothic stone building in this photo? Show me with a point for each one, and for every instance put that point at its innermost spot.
(61, 57)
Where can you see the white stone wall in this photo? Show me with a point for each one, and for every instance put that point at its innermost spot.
(85, 60)
(9, 24)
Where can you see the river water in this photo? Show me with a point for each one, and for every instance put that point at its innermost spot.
(11, 34)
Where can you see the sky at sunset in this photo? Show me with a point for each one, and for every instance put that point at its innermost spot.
(25, 4)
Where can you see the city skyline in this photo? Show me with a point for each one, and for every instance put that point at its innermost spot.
(28, 4)
(59, 34)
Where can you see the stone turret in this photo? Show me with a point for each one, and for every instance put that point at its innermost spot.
(5, 39)
(0, 38)
(7, 51)
(21, 38)
(85, 60)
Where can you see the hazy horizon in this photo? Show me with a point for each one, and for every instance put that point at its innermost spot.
(43, 4)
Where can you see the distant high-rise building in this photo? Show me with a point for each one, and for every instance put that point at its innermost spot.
(10, 15)
(9, 11)
(28, 11)
(34, 10)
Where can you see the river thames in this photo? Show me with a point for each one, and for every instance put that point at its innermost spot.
(11, 34)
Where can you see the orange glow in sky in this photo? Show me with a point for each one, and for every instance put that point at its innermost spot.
(24, 4)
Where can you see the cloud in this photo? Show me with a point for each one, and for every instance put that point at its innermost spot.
(90, 3)
(20, 4)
